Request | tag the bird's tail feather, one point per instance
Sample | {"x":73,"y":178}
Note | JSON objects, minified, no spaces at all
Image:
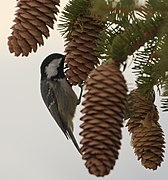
{"x":72,"y":137}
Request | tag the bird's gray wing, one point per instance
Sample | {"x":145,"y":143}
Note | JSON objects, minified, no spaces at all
{"x":48,"y":95}
{"x":50,"y":100}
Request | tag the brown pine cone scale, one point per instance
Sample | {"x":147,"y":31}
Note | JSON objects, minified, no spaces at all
{"x":32,"y":22}
{"x":147,"y":136}
{"x":81,"y":52}
{"x":103,"y":118}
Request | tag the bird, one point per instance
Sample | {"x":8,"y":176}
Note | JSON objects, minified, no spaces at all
{"x":58,"y":95}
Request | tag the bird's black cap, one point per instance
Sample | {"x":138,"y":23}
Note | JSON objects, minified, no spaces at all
{"x":49,"y":59}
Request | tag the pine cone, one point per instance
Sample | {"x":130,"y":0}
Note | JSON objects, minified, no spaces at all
{"x":81,"y":55}
{"x":147,"y":135}
{"x":32,"y":20}
{"x":104,"y":107}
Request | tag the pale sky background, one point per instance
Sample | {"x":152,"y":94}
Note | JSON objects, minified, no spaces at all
{"x":32,"y":147}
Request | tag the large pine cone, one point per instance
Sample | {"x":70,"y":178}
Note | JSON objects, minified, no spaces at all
{"x":104,"y":109}
{"x":147,"y":135}
{"x":81,"y":55}
{"x":32,"y":20}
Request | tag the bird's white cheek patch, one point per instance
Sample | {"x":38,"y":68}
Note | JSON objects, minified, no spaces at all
{"x":51,"y":69}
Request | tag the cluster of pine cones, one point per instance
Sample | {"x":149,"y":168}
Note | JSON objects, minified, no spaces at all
{"x":105,"y":99}
{"x":147,"y":135}
{"x":105,"y":105}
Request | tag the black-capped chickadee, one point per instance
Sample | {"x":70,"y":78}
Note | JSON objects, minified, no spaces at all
{"x":58,"y":94}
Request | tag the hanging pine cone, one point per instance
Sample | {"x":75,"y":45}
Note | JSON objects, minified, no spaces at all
{"x":104,"y":108}
{"x":147,"y":135}
{"x":81,"y":55}
{"x":32,"y":20}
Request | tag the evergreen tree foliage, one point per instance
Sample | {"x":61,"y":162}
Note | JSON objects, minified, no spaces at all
{"x":131,"y":27}
{"x":101,"y":36}
{"x":132,"y":32}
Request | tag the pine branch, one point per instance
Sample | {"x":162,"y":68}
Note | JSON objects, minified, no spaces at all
{"x":162,"y":66}
{"x":135,"y":36}
{"x":119,"y":42}
{"x":145,"y":61}
{"x":151,"y":69}
{"x":72,"y":10}
{"x":164,"y":106}
{"x":118,"y":12}
{"x":105,"y":41}
{"x":164,"y":99}
{"x":159,"y":6}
